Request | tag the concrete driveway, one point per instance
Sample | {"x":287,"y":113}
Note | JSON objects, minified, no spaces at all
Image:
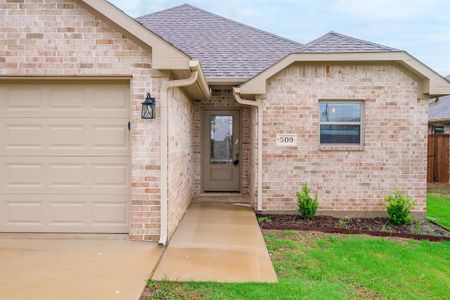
{"x":74,"y":266}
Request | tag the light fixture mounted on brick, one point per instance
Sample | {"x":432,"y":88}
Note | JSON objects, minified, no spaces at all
{"x":148,"y":107}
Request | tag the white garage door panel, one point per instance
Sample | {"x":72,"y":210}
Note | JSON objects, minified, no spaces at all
{"x":64,"y":213}
{"x":64,"y":157}
{"x":94,"y":175}
{"x":64,"y":137}
{"x":61,"y":100}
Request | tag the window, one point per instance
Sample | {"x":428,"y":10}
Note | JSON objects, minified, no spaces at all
{"x":438,"y":129}
{"x":340,"y":122}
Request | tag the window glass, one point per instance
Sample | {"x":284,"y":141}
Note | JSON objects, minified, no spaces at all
{"x":221,"y":139}
{"x":340,"y":122}
{"x":340,"y":112}
{"x":340,"y":134}
{"x":438,"y":129}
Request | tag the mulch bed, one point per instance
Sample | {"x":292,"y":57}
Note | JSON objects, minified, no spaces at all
{"x":420,"y":230}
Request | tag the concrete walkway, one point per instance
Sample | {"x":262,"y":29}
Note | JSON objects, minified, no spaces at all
{"x":40,"y":266}
{"x":217,"y":242}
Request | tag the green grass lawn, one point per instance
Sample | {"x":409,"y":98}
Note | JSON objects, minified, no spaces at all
{"x":321,"y":266}
{"x":438,"y":209}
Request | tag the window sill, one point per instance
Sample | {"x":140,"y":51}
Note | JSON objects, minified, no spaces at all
{"x":341,"y":148}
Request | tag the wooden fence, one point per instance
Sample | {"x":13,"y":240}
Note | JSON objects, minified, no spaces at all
{"x":438,"y":158}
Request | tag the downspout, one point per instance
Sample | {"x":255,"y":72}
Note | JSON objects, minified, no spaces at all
{"x":164,"y":140}
{"x":258,"y":105}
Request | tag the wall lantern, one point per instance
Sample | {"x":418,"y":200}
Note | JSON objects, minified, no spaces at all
{"x":148,"y":108}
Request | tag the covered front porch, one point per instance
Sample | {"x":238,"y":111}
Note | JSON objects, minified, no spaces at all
{"x":224,"y":145}
{"x":212,"y":152}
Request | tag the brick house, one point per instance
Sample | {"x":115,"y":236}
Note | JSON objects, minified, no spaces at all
{"x":239,"y":113}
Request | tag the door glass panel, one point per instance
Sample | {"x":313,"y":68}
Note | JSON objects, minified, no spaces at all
{"x":221,"y":139}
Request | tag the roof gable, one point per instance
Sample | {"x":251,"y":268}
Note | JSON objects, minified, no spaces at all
{"x":431,"y":83}
{"x":225,"y":47}
{"x":336,"y":42}
{"x":164,"y":55}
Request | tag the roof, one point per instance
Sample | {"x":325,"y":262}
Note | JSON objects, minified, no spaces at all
{"x":234,"y":52}
{"x":226,"y":48}
{"x":336,"y":42}
{"x":441,"y":110}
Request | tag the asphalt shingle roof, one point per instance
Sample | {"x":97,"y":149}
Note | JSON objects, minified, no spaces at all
{"x":336,"y":42}
{"x":227,"y":48}
{"x":441,"y":110}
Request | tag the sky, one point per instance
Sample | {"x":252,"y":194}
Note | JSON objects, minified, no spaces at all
{"x":421,"y":27}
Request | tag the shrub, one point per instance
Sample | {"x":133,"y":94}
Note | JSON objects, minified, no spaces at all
{"x":307,"y":206}
{"x":342,"y":223}
{"x":264,"y":219}
{"x":399,"y":207}
{"x":416,"y":227}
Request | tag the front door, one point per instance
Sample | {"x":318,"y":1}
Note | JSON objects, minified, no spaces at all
{"x":221,"y":147}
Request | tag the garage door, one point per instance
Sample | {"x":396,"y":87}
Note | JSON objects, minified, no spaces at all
{"x":64,"y":157}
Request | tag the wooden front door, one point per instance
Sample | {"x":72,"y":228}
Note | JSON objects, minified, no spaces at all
{"x":221,"y":147}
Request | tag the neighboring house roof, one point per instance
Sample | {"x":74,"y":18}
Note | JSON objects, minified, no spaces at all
{"x":336,"y":42}
{"x":441,"y":110}
{"x":226,"y":48}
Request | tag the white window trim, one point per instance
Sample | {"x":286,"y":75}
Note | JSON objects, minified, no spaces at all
{"x":360,"y":123}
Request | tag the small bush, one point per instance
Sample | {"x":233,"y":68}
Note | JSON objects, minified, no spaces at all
{"x":264,"y":219}
{"x":307,"y":206}
{"x":416,"y":227}
{"x":342,"y":223}
{"x":386,"y":227}
{"x":399,"y":207}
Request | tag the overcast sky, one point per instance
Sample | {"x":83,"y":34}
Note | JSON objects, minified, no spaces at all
{"x":421,"y":27}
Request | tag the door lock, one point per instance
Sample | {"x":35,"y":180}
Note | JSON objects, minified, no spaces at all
{"x":236,"y":160}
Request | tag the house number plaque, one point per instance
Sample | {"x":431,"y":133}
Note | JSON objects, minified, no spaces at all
{"x":286,"y":140}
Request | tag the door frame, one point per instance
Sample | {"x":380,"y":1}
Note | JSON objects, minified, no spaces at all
{"x":202,"y":143}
